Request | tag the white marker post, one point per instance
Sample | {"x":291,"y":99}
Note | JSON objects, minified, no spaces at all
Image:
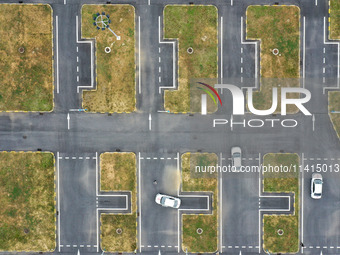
{"x":68,"y":121}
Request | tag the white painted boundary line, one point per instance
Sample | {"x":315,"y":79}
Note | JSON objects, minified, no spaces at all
{"x":277,"y":210}
{"x":140,"y":204}
{"x":205,"y":196}
{"x":334,"y":43}
{"x":301,"y":201}
{"x":178,"y":218}
{"x":92,"y":54}
{"x":304,"y":53}
{"x":173,"y":57}
{"x":221,"y":75}
{"x":97,"y":230}
{"x":57,"y":50}
{"x":256,"y":54}
{"x":58,"y":176}
{"x":139,"y":67}
{"x":221,"y":205}
{"x":259,"y":210}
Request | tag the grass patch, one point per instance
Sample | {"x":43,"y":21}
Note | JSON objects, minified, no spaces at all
{"x":196,"y":27}
{"x":116,"y":90}
{"x":27,"y":212}
{"x":334,"y":19}
{"x":334,"y":105}
{"x":26,"y":82}
{"x":282,"y":182}
{"x":278,"y":28}
{"x":118,"y":173}
{"x":207,"y":241}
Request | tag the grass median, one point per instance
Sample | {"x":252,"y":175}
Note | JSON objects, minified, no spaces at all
{"x":207,"y":241}
{"x":285,"y":182}
{"x":278,"y":29}
{"x":115,"y":70}
{"x":333,"y":108}
{"x":26,"y":82}
{"x":118,"y":173}
{"x":27,"y":212}
{"x":334,"y":19}
{"x":195,"y":27}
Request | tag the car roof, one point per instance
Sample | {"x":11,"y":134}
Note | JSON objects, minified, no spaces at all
{"x":169,"y":201}
{"x":318,"y":188}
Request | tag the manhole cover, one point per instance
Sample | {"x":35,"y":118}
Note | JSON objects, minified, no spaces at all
{"x":119,"y":231}
{"x":199,"y":231}
{"x":21,"y":50}
{"x":26,"y":230}
{"x":280,"y":232}
{"x":107,"y":49}
{"x":190,"y":50}
{"x":275,"y":51}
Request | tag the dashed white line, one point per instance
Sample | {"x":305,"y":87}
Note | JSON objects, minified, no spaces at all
{"x":159,"y":59}
{"x":77,"y":78}
{"x":77,"y":49}
{"x":159,"y":79}
{"x":241,"y":60}
{"x":77,"y":59}
{"x":77,"y":69}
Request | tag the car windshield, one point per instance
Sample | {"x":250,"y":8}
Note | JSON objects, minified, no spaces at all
{"x":237,"y":154}
{"x":318,"y":181}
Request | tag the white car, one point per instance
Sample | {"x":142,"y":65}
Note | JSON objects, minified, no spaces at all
{"x":316,"y":186}
{"x":167,"y":201}
{"x":236,"y":155}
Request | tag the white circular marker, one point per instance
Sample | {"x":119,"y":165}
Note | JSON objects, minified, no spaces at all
{"x":275,"y":51}
{"x":107,"y":49}
{"x":280,"y":232}
{"x":118,"y":38}
{"x":199,"y":231}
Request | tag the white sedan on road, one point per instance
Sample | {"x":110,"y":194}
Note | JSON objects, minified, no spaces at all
{"x":316,"y":186}
{"x":167,"y":201}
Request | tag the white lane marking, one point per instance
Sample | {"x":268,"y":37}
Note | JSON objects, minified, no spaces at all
{"x":221,"y":205}
{"x":159,"y":69}
{"x":148,"y":2}
{"x":139,"y":65}
{"x":159,"y":79}
{"x":139,"y":205}
{"x":241,"y":60}
{"x":323,"y":70}
{"x":159,"y":59}
{"x":304,"y":53}
{"x":302,"y":194}
{"x":92,"y":60}
{"x":178,"y":218}
{"x":259,"y":209}
{"x":231,"y":2}
{"x":77,"y":78}
{"x":77,"y":49}
{"x":74,"y":157}
{"x":58,"y":175}
{"x":150,"y":120}
{"x":57,"y":52}
{"x":316,"y":2}
{"x":221,"y":50}
{"x":173,"y":57}
{"x":324,"y":60}
{"x":77,"y":69}
{"x":334,"y":43}
{"x":255,"y":45}
{"x":68,"y":121}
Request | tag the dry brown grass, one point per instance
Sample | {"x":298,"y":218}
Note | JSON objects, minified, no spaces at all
{"x":27,"y":212}
{"x":207,"y":241}
{"x":278,"y":28}
{"x":196,"y":27}
{"x":116,"y":90}
{"x":282,"y":182}
{"x":334,"y":105}
{"x":118,"y":173}
{"x":26,"y":82}
{"x":334,"y":19}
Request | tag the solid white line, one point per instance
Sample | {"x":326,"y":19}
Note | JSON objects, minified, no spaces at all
{"x":97,"y":229}
{"x":221,"y":204}
{"x":304,"y":53}
{"x":58,"y":176}
{"x":316,"y":2}
{"x":178,"y":224}
{"x":92,"y":60}
{"x":302,"y":204}
{"x":139,"y":66}
{"x":334,"y":43}
{"x":96,"y":173}
{"x":255,"y":44}
{"x":231,"y":2}
{"x":259,"y":210}
{"x":140,"y":205}
{"x":64,"y":1}
{"x":57,"y":51}
{"x":221,"y":50}
{"x":148,"y":2}
{"x":173,"y":58}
